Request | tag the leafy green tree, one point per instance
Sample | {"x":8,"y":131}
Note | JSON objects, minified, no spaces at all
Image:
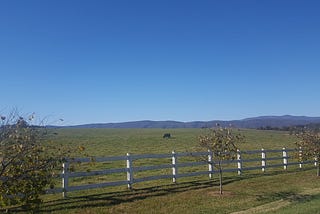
{"x":309,"y":142}
{"x":223,"y":143}
{"x":27,"y":166}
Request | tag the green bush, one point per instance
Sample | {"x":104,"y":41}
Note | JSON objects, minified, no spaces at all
{"x":26,"y":166}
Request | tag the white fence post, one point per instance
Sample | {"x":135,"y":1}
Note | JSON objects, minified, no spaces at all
{"x":239,"y":162}
{"x":174,"y":167}
{"x":210,"y":163}
{"x":263,"y":160}
{"x":300,"y":157}
{"x":65,"y":177}
{"x":129,"y":171}
{"x":285,"y":158}
{"x":316,"y":161}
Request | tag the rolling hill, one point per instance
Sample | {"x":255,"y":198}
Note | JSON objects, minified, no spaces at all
{"x":254,"y":122}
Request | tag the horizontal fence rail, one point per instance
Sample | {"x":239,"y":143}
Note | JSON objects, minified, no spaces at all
{"x":245,"y":161}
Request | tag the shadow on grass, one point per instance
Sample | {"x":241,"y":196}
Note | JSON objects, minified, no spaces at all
{"x":118,"y":197}
{"x":115,"y":198}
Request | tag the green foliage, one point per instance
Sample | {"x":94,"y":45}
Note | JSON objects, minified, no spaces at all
{"x":309,"y":142}
{"x":223,"y":142}
{"x":26,"y":166}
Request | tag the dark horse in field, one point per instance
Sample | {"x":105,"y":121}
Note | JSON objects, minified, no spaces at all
{"x":167,"y":135}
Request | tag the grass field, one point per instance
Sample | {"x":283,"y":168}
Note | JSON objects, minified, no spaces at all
{"x":111,"y":142}
{"x":189,"y":195}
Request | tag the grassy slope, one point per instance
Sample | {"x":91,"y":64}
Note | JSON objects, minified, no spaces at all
{"x":190,"y":195}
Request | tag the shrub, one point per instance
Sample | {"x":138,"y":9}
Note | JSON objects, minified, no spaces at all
{"x":26,"y":165}
{"x":309,"y":142}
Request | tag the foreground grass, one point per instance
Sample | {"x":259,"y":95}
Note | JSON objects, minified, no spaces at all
{"x":309,"y":205}
{"x":201,"y":196}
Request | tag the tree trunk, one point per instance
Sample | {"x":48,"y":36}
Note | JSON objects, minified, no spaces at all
{"x":220,"y":177}
{"x":318,"y":165}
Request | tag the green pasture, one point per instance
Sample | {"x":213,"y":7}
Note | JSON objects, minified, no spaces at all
{"x":114,"y":142}
{"x":188,"y":195}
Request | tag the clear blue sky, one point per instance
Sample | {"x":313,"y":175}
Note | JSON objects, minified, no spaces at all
{"x":122,"y":60}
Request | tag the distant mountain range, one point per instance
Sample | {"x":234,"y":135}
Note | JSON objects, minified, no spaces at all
{"x":255,"y":122}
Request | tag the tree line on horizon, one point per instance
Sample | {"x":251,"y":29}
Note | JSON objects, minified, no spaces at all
{"x":292,"y":129}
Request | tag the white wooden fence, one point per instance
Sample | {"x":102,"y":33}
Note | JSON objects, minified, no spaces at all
{"x":281,"y":157}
